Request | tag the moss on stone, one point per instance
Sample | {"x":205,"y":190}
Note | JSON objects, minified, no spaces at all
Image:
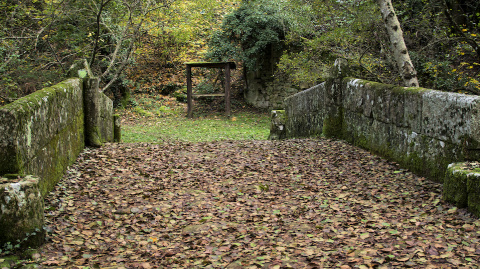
{"x":462,"y":186}
{"x":406,"y":125}
{"x":21,"y":219}
{"x":333,"y":123}
{"x":361,"y":141}
{"x":414,"y":162}
{"x":31,"y":121}
{"x":455,"y":186}
{"x":473,"y":190}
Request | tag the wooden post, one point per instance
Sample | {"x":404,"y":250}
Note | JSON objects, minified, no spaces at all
{"x":189,"y":92}
{"x":227,"y":89}
{"x":228,"y":66}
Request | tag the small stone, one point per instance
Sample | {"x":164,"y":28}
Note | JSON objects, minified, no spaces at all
{"x":135,"y":210}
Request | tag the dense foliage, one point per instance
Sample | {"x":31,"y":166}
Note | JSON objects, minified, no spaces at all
{"x":441,"y":35}
{"x":40,"y":39}
{"x":249,"y":34}
{"x":150,"y":40}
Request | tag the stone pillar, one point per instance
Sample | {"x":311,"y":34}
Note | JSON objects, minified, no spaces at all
{"x":21,"y":212}
{"x":91,"y":99}
{"x":98,"y":108}
{"x":117,"y":128}
{"x":277,"y":126}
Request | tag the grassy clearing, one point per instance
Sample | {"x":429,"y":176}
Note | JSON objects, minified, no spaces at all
{"x":156,"y":119}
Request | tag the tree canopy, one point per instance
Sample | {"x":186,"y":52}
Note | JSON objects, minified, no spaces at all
{"x":40,"y":39}
{"x":441,"y":35}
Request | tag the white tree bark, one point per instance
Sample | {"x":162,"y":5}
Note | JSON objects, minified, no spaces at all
{"x":395,"y":34}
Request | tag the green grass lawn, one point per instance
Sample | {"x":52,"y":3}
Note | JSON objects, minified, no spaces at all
{"x":155,"y":120}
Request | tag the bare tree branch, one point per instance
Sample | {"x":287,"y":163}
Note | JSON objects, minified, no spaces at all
{"x":469,"y":40}
{"x":97,"y":32}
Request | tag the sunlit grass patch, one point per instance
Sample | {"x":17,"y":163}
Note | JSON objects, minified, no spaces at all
{"x":157,"y":123}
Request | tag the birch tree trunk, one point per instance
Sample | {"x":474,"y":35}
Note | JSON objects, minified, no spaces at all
{"x":395,"y":34}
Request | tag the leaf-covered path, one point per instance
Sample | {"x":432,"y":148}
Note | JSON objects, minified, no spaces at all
{"x":251,"y":204}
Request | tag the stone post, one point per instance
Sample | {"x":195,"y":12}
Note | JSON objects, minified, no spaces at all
{"x":21,"y":212}
{"x":277,"y":126}
{"x":98,"y":108}
{"x":117,"y":128}
{"x":91,"y":100}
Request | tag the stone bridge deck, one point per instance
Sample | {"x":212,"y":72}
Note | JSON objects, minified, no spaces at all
{"x":251,"y":204}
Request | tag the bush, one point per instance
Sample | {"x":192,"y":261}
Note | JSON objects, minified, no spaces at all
{"x":181,"y":95}
{"x":248,"y":35}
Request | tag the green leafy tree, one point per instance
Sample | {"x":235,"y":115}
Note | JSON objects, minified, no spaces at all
{"x":249,"y":34}
{"x":48,"y":36}
{"x":442,"y":36}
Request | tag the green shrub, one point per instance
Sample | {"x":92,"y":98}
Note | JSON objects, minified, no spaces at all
{"x":181,"y":95}
{"x":248,"y":34}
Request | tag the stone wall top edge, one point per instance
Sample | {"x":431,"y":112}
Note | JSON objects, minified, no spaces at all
{"x":407,"y":90}
{"x":33,"y":101}
{"x":296,"y":95}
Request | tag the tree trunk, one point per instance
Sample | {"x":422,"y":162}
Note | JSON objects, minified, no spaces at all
{"x":400,"y":52}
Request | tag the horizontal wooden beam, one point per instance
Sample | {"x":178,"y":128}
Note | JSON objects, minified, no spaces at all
{"x":209,"y":95}
{"x":212,"y":64}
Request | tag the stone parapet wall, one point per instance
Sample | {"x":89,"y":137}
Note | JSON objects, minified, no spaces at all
{"x":40,"y":135}
{"x":424,"y":130}
{"x":22,"y":212}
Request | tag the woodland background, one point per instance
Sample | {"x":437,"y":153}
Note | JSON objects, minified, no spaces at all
{"x":140,"y":46}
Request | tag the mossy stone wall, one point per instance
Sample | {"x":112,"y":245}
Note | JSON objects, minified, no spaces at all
{"x":422,"y":129}
{"x":98,"y":114}
{"x":42,"y":133}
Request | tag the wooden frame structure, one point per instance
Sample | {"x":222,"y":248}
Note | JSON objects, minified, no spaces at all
{"x":222,"y":65}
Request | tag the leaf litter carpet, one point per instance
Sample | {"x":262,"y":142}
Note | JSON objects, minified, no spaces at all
{"x":251,"y":204}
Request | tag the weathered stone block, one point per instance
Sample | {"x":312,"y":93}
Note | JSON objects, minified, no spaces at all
{"x":106,"y":120}
{"x":354,"y":96}
{"x":42,"y":133}
{"x":318,"y":97}
{"x":438,"y":155}
{"x":397,"y":107}
{"x":21,"y":212}
{"x":462,"y":186}
{"x":448,"y":116}
{"x":356,"y":129}
{"x":117,"y":128}
{"x":333,"y":121}
{"x":455,"y":185}
{"x":277,"y":125}
{"x":408,"y":149}
{"x":333,"y":93}
{"x":382,"y":101}
{"x":468,"y":126}
{"x":473,"y":190}
{"x":413,"y":100}
{"x":305,"y":112}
